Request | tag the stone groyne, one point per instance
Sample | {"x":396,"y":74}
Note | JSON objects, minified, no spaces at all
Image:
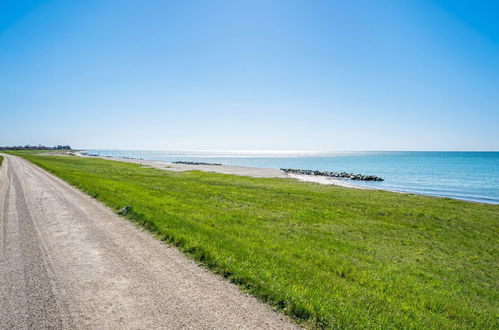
{"x":345,"y":175}
{"x":195,"y":163}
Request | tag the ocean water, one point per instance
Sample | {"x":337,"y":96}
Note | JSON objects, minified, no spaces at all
{"x":472,"y":176}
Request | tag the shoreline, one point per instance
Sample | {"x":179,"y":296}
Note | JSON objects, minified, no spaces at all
{"x":255,"y":172}
{"x":259,"y":172}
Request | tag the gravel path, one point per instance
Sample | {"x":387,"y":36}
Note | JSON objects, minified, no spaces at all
{"x":67,"y":261}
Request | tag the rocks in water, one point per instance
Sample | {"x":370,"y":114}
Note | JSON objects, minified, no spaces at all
{"x":84,"y":153}
{"x":195,"y":163}
{"x":345,"y":175}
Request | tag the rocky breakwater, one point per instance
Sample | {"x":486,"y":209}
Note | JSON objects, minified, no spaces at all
{"x":344,"y":175}
{"x":195,"y":163}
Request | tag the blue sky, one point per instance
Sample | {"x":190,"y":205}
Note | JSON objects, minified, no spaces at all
{"x":256,"y":74}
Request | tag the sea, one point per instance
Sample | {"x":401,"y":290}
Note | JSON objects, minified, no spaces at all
{"x":472,"y":176}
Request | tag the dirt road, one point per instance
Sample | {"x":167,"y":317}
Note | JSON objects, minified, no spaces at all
{"x":66,"y":261}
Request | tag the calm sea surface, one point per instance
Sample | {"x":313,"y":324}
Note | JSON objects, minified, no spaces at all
{"x":463,"y":175}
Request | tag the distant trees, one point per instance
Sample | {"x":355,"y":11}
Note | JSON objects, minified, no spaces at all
{"x":38,"y":147}
{"x":59,"y":147}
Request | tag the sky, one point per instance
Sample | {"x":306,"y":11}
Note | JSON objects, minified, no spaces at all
{"x":256,"y":74}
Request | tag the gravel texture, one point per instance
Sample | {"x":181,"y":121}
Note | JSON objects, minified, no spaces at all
{"x":67,"y":261}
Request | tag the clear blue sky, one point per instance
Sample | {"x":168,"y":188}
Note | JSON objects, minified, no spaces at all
{"x":256,"y":74}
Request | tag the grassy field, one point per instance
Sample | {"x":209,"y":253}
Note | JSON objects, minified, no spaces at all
{"x":328,"y":256}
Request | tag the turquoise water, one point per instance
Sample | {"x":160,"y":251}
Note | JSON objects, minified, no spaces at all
{"x":470,"y":176}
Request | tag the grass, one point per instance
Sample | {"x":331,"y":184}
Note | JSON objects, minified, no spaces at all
{"x":1,"y":160}
{"x":330,"y":257}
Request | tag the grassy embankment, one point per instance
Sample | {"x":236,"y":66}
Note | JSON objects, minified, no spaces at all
{"x":328,"y":256}
{"x":1,"y":160}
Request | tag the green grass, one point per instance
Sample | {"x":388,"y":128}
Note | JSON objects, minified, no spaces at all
{"x":327,"y":256}
{"x":1,"y":160}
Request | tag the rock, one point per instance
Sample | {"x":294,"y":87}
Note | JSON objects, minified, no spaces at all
{"x":345,"y":175}
{"x":124,"y":211}
{"x":195,"y":163}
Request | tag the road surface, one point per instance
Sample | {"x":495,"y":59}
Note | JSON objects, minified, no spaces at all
{"x":67,"y":261}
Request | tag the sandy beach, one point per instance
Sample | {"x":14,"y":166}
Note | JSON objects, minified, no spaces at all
{"x":255,"y":172}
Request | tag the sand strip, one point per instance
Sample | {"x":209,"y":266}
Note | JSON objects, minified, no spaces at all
{"x":255,"y":172}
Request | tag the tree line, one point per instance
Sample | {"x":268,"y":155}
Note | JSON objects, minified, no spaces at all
{"x":38,"y":147}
